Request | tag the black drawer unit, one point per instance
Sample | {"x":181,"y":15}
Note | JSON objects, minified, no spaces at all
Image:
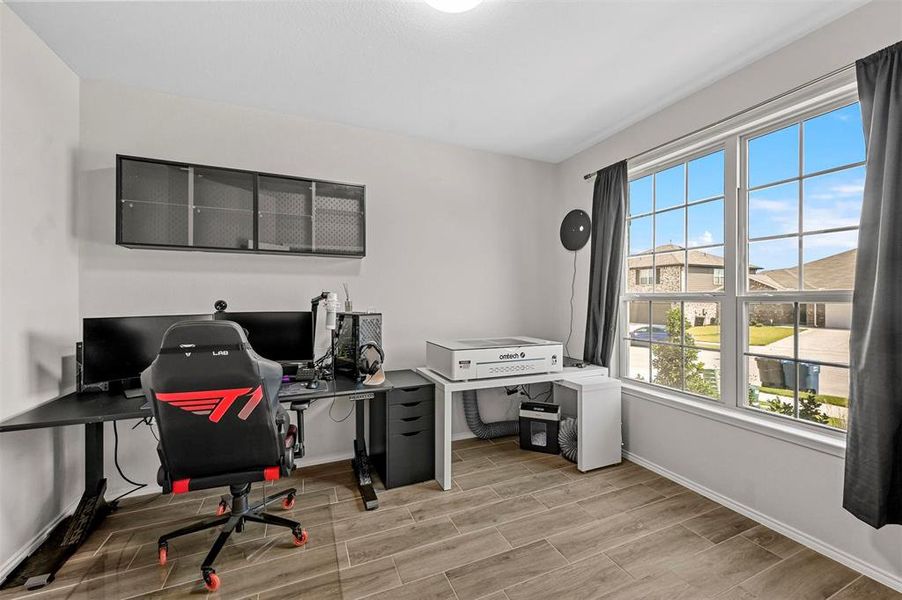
{"x":399,"y":412}
{"x":402,"y":431}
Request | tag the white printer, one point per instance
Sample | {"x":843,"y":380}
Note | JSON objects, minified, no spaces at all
{"x":493,"y":357}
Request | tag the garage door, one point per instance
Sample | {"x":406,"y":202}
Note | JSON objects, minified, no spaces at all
{"x":838,"y":316}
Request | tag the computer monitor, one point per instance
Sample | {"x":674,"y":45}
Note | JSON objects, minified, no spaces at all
{"x":118,"y":348}
{"x":280,"y":336}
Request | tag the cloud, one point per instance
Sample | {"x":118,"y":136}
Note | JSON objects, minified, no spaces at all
{"x":845,"y":190}
{"x":773,"y":205}
{"x":830,"y":218}
{"x":821,"y":246}
{"x":705,"y":239}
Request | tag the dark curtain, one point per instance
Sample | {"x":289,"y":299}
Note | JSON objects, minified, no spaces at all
{"x":608,"y":222}
{"x":873,"y":477}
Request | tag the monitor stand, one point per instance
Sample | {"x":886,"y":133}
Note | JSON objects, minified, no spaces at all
{"x":133,"y":393}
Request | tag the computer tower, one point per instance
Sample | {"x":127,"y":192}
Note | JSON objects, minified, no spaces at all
{"x":353,"y":330}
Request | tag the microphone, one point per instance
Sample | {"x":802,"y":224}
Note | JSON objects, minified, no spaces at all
{"x":331,"y":302}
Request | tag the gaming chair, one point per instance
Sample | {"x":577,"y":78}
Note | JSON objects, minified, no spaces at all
{"x":216,"y":406}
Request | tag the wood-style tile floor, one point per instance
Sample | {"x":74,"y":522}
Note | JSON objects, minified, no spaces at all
{"x":517,"y":525}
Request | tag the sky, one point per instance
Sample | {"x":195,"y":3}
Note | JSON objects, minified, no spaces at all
{"x":690,"y":213}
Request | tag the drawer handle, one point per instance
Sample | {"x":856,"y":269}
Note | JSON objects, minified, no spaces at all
{"x":409,"y":390}
{"x":412,"y":434}
{"x":410,"y":404}
{"x":409,"y":419}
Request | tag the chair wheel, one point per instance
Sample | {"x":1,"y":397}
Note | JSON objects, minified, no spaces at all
{"x":162,"y":553}
{"x":222,"y":508}
{"x":211,"y":581}
{"x":300,"y":539}
{"x":288,"y":502}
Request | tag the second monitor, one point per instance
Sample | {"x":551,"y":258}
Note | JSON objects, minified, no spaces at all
{"x":285,"y":337}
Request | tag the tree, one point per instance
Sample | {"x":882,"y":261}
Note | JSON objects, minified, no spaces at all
{"x":674,"y":364}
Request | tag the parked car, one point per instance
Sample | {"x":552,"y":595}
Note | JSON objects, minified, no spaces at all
{"x":655,"y":333}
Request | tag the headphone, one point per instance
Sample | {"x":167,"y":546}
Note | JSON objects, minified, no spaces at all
{"x":364,"y":364}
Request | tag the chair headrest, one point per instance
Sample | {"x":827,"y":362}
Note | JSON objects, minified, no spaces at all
{"x":206,"y":335}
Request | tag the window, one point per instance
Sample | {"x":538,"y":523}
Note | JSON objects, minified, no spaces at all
{"x":803,"y":192}
{"x":754,"y":238}
{"x":675,"y":226}
{"x":718,"y":275}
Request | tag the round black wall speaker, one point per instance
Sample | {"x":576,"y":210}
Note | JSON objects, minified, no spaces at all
{"x":575,"y":229}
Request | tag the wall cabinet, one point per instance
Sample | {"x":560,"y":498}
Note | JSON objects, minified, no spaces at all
{"x":180,"y":206}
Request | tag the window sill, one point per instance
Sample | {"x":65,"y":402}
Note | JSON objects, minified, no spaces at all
{"x":826,"y":442}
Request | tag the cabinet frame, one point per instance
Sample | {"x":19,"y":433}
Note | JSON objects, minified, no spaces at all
{"x":256,"y":210}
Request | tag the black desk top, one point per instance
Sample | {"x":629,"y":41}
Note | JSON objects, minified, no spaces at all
{"x":97,"y":407}
{"x":78,"y":409}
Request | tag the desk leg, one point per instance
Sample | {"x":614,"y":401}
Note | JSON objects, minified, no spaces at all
{"x":40,"y":567}
{"x":93,"y":507}
{"x":361,"y":460}
{"x":443,"y":436}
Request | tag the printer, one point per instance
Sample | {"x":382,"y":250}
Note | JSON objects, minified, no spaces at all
{"x":482,"y":358}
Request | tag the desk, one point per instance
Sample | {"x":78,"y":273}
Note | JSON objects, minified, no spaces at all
{"x":92,"y":409}
{"x":359,"y":394}
{"x":444,"y":388}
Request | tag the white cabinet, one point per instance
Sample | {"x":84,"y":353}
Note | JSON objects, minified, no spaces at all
{"x":594,"y":400}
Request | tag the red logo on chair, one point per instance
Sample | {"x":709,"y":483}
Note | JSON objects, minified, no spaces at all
{"x":214,"y":403}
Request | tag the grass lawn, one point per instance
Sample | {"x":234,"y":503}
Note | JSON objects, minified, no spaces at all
{"x":758,"y":336}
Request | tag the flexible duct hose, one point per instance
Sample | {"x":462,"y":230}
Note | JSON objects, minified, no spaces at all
{"x":567,"y":439}
{"x":485,"y":430}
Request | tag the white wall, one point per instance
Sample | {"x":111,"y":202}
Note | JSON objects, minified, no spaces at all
{"x":41,"y":470}
{"x":792,"y":484}
{"x":449,"y":233}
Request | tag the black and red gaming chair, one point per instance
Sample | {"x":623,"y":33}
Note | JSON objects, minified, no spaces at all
{"x":216,"y":405}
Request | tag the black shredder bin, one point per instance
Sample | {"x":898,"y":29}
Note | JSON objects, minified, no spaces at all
{"x":539,"y":423}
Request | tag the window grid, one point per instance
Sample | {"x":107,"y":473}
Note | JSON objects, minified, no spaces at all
{"x":799,"y":296}
{"x":799,"y":179}
{"x":654,"y":346}
{"x":685,"y":205}
{"x":734,"y":295}
{"x":648,"y":338}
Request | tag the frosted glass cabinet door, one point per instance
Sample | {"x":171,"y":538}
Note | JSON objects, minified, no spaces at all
{"x":339,"y":224}
{"x":223,"y":213}
{"x":153,"y":204}
{"x":285,"y":213}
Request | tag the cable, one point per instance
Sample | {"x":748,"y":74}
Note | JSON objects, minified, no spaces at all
{"x":149,"y":422}
{"x":344,"y":418}
{"x":540,"y":397}
{"x":137,"y":485}
{"x":572,"y":294}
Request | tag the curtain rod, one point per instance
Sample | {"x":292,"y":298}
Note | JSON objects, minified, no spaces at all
{"x":588,"y":176}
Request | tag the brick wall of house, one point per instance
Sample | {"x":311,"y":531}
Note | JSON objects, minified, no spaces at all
{"x":669,"y":279}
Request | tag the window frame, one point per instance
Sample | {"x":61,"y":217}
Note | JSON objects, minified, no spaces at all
{"x":683,"y":297}
{"x":820,"y":97}
{"x":746,"y":297}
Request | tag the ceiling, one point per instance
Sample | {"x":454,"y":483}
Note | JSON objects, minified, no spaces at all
{"x":537,"y":79}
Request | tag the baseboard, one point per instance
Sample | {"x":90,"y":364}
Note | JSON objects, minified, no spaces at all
{"x":323,"y":459}
{"x":10,"y":563}
{"x":801,"y":537}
